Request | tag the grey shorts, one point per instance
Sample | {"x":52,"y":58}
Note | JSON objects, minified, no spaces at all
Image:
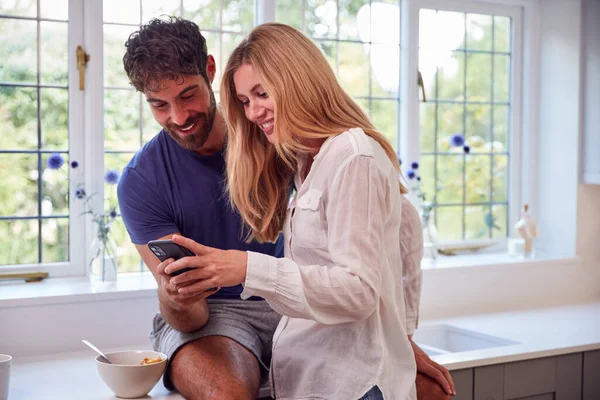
{"x":248,"y":322}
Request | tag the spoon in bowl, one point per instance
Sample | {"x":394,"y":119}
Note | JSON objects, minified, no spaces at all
{"x":96,"y":350}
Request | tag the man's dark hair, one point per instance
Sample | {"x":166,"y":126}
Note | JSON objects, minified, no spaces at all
{"x":165,"y":48}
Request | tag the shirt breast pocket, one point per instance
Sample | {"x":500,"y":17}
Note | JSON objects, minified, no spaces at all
{"x":309,"y":221}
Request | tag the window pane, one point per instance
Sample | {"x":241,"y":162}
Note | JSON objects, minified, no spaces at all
{"x":427,"y":174}
{"x":20,"y":240}
{"x":478,"y":124}
{"x":55,"y":240}
{"x":349,"y":25}
{"x":238,"y":15}
{"x":384,"y":115}
{"x":364,"y":104}
{"x":329,"y":48}
{"x":123,"y":12}
{"x":449,"y":122}
{"x":441,"y":31}
{"x":289,"y":12}
{"x":205,"y":13}
{"x":128,"y":257}
{"x":501,"y":34}
{"x":500,"y":180}
{"x":500,"y":219}
{"x":450,"y":76}
{"x":114,"y":161}
{"x":384,"y":24}
{"x":478,"y":178}
{"x":353,"y":72}
{"x":54,"y":9}
{"x":150,"y":126}
{"x":479,"y":77}
{"x":159,"y":9}
{"x":54,"y":117}
{"x":501,"y":118}
{"x":18,"y":118}
{"x":385,"y":70}
{"x":476,"y":222}
{"x":23,"y":8}
{"x":18,"y":50}
{"x":450,"y":179}
{"x":121,"y":119}
{"x":18,"y":174}
{"x":427,"y":116}
{"x":428,"y":69}
{"x":449,"y":223}
{"x":54,"y":63}
{"x":55,"y":188}
{"x":321,"y":18}
{"x":501,"y":78}
{"x":115,"y":37}
{"x":479,"y":32}
{"x":213,"y":47}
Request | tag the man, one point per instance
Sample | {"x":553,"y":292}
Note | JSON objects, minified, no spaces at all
{"x":218,"y":345}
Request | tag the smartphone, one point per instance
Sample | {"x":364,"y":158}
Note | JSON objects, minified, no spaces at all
{"x":164,"y":249}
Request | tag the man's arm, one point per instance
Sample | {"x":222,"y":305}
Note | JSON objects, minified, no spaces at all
{"x":184,"y":314}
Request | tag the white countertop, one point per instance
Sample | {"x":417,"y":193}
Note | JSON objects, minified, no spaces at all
{"x":539,"y":332}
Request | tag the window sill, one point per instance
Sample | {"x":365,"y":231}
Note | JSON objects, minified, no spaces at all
{"x":490,"y":260}
{"x":75,"y":290}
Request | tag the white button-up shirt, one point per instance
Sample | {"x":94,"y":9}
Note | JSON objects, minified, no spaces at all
{"x":339,"y":287}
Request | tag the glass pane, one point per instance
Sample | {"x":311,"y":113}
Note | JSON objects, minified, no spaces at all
{"x":384,"y":24}
{"x":289,"y":12}
{"x":449,"y":223}
{"x":54,"y":117}
{"x":115,"y":37}
{"x":19,"y":191}
{"x":150,"y":126}
{"x":230,"y":42}
{"x":114,"y":161}
{"x":128,"y":257}
{"x":349,"y":21}
{"x":479,"y":32}
{"x":121,"y":120}
{"x":55,"y":240}
{"x":476,"y":222}
{"x":427,"y":174}
{"x":501,"y":118}
{"x":54,"y":63}
{"x":478,"y":178}
{"x":353,"y":72}
{"x":364,"y":104}
{"x":55,"y":188}
{"x":449,"y":122}
{"x":479,"y":77}
{"x":205,"y":13}
{"x":450,"y":179}
{"x":385,"y":70}
{"x":54,"y":9}
{"x":329,"y":48}
{"x":428,"y":69}
{"x":441,"y":31}
{"x":321,"y":18}
{"x":18,"y":118}
{"x":451,"y":77}
{"x":238,"y":15}
{"x":501,"y":77}
{"x":478,"y":125}
{"x":214,"y":48}
{"x":500,"y":179}
{"x":159,"y":9}
{"x":384,"y":115}
{"x":22,"y":8}
{"x":501,"y":34}
{"x":427,"y":116}
{"x":20,"y":241}
{"x":500,"y":219}
{"x":18,"y":50}
{"x":122,"y":12}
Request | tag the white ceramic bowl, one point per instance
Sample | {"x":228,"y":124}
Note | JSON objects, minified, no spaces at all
{"x":126,"y":377}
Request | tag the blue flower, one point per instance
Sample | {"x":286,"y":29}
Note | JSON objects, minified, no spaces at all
{"x":55,"y":161}
{"x":411,"y":174}
{"x":111,"y":177}
{"x":74,"y":164}
{"x":457,"y":140}
{"x":113,"y":213}
{"x":414,"y":165}
{"x":80,"y":193}
{"x":467,"y":149}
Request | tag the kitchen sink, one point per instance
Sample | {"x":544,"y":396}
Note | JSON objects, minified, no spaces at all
{"x":443,"y":339}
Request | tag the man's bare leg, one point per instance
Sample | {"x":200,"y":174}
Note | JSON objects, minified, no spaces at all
{"x":214,"y":368}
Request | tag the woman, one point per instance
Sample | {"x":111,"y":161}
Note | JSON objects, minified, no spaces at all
{"x":339,"y":288}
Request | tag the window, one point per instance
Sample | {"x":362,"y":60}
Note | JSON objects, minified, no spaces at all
{"x":468,"y":52}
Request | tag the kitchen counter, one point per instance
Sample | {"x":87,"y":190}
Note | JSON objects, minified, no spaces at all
{"x":539,"y":333}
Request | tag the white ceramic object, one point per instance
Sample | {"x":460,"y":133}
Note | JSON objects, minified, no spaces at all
{"x":4,"y":375}
{"x":126,"y":377}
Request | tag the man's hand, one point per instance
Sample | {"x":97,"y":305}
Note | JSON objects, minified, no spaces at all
{"x":211,"y":268}
{"x":170,"y":292}
{"x":431,"y":376}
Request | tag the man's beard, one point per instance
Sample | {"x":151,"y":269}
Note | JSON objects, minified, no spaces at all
{"x":204,"y":121}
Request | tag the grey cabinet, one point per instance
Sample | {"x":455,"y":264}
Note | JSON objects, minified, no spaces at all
{"x":590,"y":106}
{"x":550,"y":378}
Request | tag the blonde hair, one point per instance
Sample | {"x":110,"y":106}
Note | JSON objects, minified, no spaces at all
{"x":309,"y":103}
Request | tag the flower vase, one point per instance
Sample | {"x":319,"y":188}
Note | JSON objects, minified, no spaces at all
{"x":103,"y":258}
{"x":430,"y":242}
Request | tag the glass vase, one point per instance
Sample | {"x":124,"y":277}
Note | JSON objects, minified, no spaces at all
{"x":103,"y":258}
{"x":430,"y":242}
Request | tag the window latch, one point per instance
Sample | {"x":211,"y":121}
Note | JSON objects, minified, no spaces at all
{"x":422,"y":85}
{"x":82,"y":59}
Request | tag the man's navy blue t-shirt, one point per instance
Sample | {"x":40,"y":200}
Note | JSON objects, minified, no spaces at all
{"x":166,"y":189}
